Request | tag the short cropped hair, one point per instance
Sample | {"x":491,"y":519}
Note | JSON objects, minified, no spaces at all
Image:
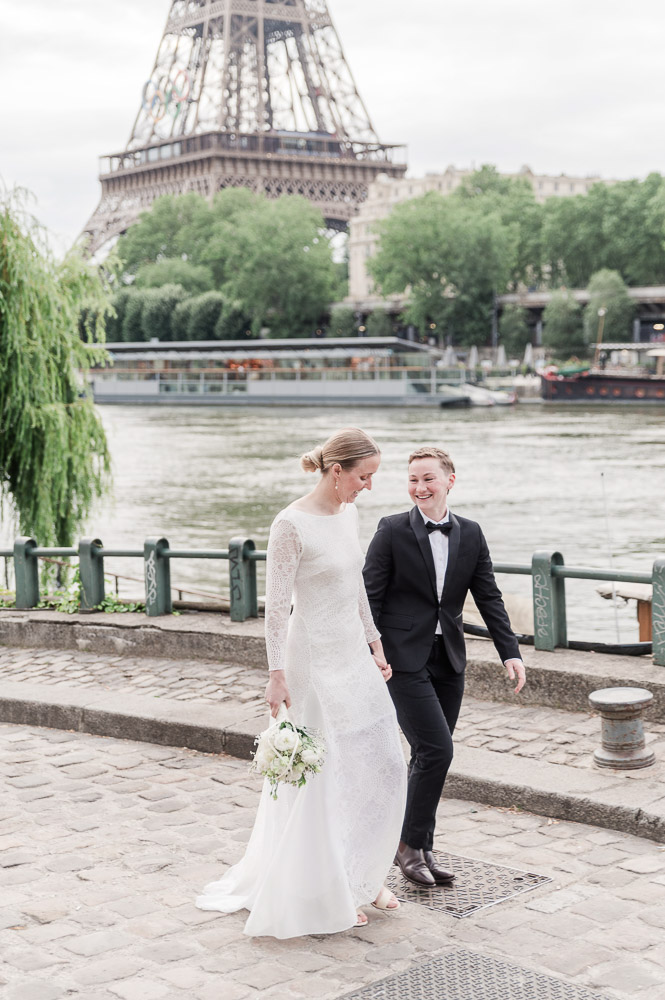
{"x":430,"y":451}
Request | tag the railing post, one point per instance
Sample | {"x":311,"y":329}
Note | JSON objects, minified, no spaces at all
{"x":658,"y":612}
{"x":26,"y":572}
{"x":549,"y":601}
{"x":91,"y":571}
{"x":242,"y":580}
{"x":157,"y":577}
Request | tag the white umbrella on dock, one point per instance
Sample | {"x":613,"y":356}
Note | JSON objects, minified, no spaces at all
{"x":528,"y":356}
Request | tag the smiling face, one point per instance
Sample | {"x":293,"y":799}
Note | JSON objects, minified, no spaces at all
{"x":351,"y":482}
{"x":429,"y":485}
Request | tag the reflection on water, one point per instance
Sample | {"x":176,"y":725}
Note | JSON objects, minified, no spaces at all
{"x":531,"y":475}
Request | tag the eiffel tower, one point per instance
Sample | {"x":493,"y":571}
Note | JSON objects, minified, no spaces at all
{"x":245,"y":93}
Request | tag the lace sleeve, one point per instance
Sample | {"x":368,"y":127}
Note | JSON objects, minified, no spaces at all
{"x":284,"y":551}
{"x":371,"y":632}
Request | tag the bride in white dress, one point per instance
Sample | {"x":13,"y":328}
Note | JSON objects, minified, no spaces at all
{"x":320,"y":852}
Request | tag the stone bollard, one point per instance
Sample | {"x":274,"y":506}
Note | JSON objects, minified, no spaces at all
{"x":622,"y":732}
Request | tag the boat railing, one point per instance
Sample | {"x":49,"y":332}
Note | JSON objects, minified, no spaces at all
{"x":405,"y":380}
{"x":547,"y":570}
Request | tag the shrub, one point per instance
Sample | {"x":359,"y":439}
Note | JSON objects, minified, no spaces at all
{"x":204,"y":313}
{"x":158,"y":311}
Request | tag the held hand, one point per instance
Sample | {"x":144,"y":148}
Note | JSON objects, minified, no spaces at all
{"x":385,"y":668}
{"x":277,"y":692}
{"x":516,"y":670}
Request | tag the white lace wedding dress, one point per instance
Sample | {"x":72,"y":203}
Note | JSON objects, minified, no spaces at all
{"x":318,"y":852}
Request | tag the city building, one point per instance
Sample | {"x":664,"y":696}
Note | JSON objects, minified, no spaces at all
{"x":386,"y":192}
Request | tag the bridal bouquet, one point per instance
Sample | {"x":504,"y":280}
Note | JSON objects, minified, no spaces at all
{"x":286,"y":753}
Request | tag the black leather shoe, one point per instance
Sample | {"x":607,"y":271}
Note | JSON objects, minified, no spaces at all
{"x":440,"y":875}
{"x":413,"y":867}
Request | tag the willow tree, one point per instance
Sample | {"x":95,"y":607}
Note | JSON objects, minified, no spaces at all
{"x":54,"y":460}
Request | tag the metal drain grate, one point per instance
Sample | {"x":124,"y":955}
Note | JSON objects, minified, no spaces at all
{"x":465,"y":975}
{"x":477,"y":885}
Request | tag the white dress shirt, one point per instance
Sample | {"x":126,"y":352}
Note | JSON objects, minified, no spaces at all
{"x":439,"y":544}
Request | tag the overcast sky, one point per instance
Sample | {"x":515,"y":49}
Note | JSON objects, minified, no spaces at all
{"x":574,"y":86}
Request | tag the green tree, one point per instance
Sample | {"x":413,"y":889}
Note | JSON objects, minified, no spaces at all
{"x":634,"y":230}
{"x":115,"y":319}
{"x":379,"y":324}
{"x":563,"y":331}
{"x":233,"y":323}
{"x":343,"y":322}
{"x":132,"y":322}
{"x":618,"y":227}
{"x":278,"y":266}
{"x":514,"y":202}
{"x":607,"y":291}
{"x":193,"y":278}
{"x":230,"y":210}
{"x":159,"y":306}
{"x":204,"y":312}
{"x":454,"y":255}
{"x":180,"y":320}
{"x":54,"y":460}
{"x":514,"y":331}
{"x":173,"y":227}
{"x":572,"y":236}
{"x":270,"y":258}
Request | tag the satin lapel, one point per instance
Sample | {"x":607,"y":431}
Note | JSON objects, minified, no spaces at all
{"x":420,"y":531}
{"x":453,"y":549}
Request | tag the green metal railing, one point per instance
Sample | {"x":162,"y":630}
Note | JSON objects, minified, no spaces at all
{"x":547,"y":571}
{"x":156,"y":554}
{"x":548,"y":575}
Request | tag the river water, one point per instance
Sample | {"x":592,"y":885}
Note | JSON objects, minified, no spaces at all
{"x":533,"y":476}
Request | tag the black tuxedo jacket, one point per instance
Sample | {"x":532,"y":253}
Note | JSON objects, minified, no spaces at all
{"x":401,"y":587}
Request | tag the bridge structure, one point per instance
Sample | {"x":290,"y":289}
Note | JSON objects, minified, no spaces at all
{"x":246,"y":93}
{"x":648,"y":325}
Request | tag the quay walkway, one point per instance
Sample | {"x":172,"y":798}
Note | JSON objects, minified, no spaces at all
{"x":125,"y":789}
{"x":534,"y":751}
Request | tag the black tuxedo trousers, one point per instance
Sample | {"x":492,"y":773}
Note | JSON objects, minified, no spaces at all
{"x":428,"y":671}
{"x":427,"y":702}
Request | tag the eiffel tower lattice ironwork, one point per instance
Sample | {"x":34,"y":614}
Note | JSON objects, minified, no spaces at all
{"x":245,"y":93}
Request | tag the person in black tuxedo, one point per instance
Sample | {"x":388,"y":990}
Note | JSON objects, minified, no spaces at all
{"x":419,"y":568}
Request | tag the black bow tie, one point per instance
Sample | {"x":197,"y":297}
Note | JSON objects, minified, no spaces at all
{"x":444,"y":528}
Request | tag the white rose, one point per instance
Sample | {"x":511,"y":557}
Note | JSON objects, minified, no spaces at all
{"x":264,"y":757}
{"x":286,"y":739}
{"x":310,"y":756}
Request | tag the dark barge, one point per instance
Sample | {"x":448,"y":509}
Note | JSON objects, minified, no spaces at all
{"x":597,"y":386}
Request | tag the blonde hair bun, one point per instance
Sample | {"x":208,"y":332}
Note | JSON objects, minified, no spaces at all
{"x":312,"y":460}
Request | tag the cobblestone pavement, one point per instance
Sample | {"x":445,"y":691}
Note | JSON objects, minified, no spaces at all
{"x":548,"y":734}
{"x":104,"y":844}
{"x":180,"y":680}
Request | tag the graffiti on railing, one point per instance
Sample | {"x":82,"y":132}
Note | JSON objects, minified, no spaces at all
{"x":542,"y":601}
{"x":235,"y":573}
{"x":151,"y":578}
{"x":658,"y":623}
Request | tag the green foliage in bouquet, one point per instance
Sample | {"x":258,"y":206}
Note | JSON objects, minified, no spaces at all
{"x":288,"y":754}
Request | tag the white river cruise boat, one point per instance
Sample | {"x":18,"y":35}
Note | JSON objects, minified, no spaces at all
{"x":369,"y":371}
